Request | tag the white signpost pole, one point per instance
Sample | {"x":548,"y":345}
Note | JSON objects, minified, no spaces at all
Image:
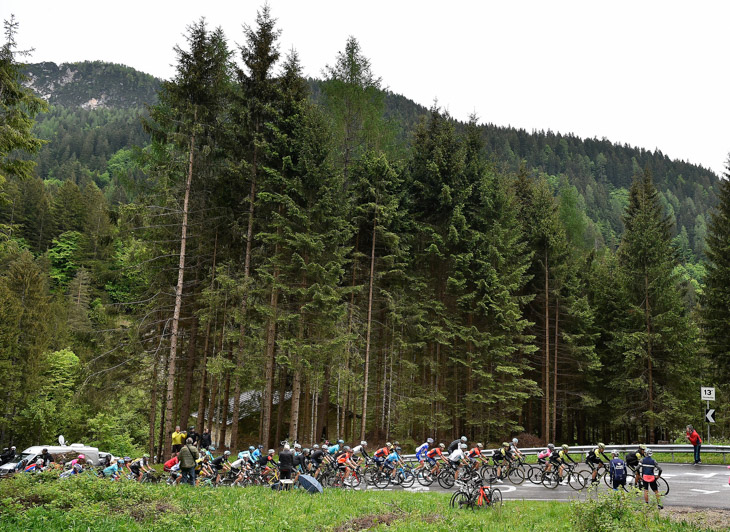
{"x":708,"y":394}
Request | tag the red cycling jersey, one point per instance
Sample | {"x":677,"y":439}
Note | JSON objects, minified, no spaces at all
{"x":381,"y":453}
{"x":433,"y":453}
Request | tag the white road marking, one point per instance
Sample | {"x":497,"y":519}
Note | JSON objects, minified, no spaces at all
{"x":705,"y":492}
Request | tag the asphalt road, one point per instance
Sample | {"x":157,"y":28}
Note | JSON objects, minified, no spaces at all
{"x":702,"y":486}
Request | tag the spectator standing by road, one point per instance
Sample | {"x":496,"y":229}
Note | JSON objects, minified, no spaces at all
{"x":187,"y":456}
{"x":205,"y":439}
{"x":694,"y":438}
{"x":194,"y":435}
{"x":177,"y":440}
{"x":286,"y":462}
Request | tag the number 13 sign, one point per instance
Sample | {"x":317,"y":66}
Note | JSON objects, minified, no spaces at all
{"x":708,"y":394}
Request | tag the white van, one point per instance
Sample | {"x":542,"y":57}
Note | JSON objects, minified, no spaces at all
{"x":61,"y":454}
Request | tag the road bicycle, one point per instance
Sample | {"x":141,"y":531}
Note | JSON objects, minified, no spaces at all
{"x":477,"y":494}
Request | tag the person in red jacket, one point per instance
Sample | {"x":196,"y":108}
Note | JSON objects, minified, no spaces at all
{"x":696,"y":442}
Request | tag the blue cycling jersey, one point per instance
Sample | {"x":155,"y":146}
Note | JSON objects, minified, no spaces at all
{"x":392,"y":457}
{"x":421,"y":451}
{"x":334,"y":449}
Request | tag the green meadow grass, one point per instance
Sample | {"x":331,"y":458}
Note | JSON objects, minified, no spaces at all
{"x":42,"y":502}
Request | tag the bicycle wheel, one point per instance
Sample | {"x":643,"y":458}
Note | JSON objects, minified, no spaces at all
{"x":577,"y":481}
{"x":607,"y":479}
{"x":495,"y":496}
{"x":369,"y":474}
{"x":406,"y":478}
{"x":446,"y":479}
{"x":516,"y":476}
{"x":488,"y":473}
{"x":459,"y":500}
{"x":550,"y":480}
{"x":663,"y":486}
{"x":425,"y":477}
{"x":354,"y":480}
{"x":381,"y":480}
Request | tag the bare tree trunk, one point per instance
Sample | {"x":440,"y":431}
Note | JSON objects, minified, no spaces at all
{"x":546,"y":395}
{"x":211,"y":407}
{"x":280,"y":406}
{"x":296,"y":391}
{"x":153,"y":405}
{"x":324,"y":406}
{"x":178,"y":304}
{"x":204,"y":377}
{"x":244,"y":302}
{"x":369,"y":327}
{"x":647,"y":315}
{"x":189,"y":369}
{"x":265,"y":436}
{"x":555,"y":370}
{"x":224,"y":414}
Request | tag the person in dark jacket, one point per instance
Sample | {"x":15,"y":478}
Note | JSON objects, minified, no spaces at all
{"x":205,"y":439}
{"x":187,"y":456}
{"x":286,"y":462}
{"x":193,"y":435}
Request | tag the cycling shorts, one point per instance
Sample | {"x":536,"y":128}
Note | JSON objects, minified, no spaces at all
{"x":431,"y":461}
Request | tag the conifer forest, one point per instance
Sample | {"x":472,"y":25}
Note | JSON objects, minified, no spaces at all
{"x":269,"y":256}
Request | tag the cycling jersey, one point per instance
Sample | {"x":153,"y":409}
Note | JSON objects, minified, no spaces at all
{"x":239,"y":464}
{"x":544,"y":454}
{"x":632,"y":459}
{"x":219,"y":462}
{"x":111,"y":470}
{"x":359,"y":450}
{"x":171,"y":463}
{"x":435,"y":452}
{"x":498,"y":455}
{"x":618,"y":470}
{"x":594,"y":456}
{"x":421,"y":451}
{"x":454,"y":445}
{"x":564,"y":457}
{"x":381,"y":453}
{"x":649,"y":469}
{"x":344,"y":457}
{"x":456,"y":456}
{"x":256,"y":455}
{"x":392,"y":459}
{"x":334,"y":449}
{"x":474,"y":453}
{"x":317,"y":457}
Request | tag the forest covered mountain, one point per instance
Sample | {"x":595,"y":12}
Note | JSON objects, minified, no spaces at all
{"x":241,"y":231}
{"x":96,"y":108}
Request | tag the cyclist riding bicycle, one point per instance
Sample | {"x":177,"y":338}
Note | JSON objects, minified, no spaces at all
{"x":545,"y":454}
{"x":316,"y":458}
{"x":457,"y":458}
{"x":499,"y":456}
{"x":392,"y":460}
{"x":345,"y":463}
{"x":140,"y":466}
{"x":114,"y":469}
{"x":381,"y":454}
{"x":474,"y":454}
{"x":360,"y":450}
{"x":422,"y":450}
{"x":454,"y":445}
{"x":514,"y":450}
{"x":593,"y":459}
{"x":564,"y":457}
{"x":632,"y":461}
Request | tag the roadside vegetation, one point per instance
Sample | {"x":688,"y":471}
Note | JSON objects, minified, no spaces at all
{"x":43,"y":502}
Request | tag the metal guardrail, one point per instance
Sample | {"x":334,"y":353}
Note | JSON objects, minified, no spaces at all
{"x":583,"y":449}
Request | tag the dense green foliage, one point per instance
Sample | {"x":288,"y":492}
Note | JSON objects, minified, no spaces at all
{"x":47,"y":503}
{"x":353,"y":265}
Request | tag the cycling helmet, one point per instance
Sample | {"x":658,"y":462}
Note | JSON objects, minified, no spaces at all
{"x":297,"y":446}
{"x":442,"y":445}
{"x":305,"y":451}
{"x":127,"y":459}
{"x":341,"y":442}
{"x":145,"y":455}
{"x":566,"y":447}
{"x":463,"y":439}
{"x":346,"y":448}
{"x":83,"y":457}
{"x":120,"y":461}
{"x":429,"y":441}
{"x":515,"y":440}
{"x":211,"y":448}
{"x":396,"y":443}
{"x":642,"y":447}
{"x":315,"y":446}
{"x":364,"y":443}
{"x":227,"y":453}
{"x":388,"y":444}
{"x":44,"y":450}
{"x":241,"y":456}
{"x":398,"y":449}
{"x":271,"y":451}
{"x":505,"y":444}
{"x":78,"y":468}
{"x":551,"y":446}
{"x":649,"y":452}
{"x":480,"y":445}
{"x":601,"y":446}
{"x":251,"y":448}
{"x":462,"y":446}
{"x":614,"y":452}
{"x":261,"y":446}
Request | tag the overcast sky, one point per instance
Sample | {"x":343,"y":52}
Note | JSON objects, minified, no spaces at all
{"x":646,"y":73}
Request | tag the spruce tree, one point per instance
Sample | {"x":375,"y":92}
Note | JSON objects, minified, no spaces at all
{"x":658,"y":341}
{"x":716,"y":300}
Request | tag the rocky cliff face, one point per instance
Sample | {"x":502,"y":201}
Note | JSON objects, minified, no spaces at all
{"x":92,"y":85}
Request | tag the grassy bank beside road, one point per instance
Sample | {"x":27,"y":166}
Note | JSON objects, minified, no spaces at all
{"x":46,"y":503}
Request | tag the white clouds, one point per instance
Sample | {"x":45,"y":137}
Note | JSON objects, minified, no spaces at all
{"x":646,"y":73}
